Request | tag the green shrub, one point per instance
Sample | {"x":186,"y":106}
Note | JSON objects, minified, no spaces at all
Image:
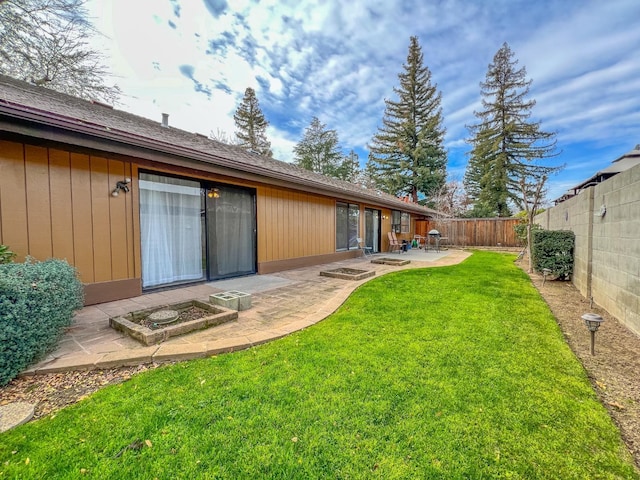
{"x":521,"y":231}
{"x":553,"y":249}
{"x":37,"y":301}
{"x":6,"y":255}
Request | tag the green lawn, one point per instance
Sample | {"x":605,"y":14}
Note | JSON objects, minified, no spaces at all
{"x":454,"y":372}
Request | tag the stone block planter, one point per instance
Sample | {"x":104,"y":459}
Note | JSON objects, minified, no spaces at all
{"x":391,"y":261}
{"x":148,"y":328}
{"x":348,"y":273}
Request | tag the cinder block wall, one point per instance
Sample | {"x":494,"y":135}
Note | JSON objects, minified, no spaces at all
{"x":607,"y":255}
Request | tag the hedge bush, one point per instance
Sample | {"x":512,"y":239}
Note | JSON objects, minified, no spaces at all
{"x":37,"y":301}
{"x":6,"y":255}
{"x":553,"y":249}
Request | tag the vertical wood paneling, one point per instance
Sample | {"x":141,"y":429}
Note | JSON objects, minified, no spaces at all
{"x":117,"y":222}
{"x":135,"y":209}
{"x":82,"y":222}
{"x":13,"y":202}
{"x":61,"y":207}
{"x":294,"y":224}
{"x":299,"y":226}
{"x":261,"y":224}
{"x":271,"y":224}
{"x":100,"y":221}
{"x":130,"y":202}
{"x":281,"y":225}
{"x":38,"y":202}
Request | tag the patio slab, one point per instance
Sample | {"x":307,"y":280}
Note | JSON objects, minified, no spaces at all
{"x":282,"y":303}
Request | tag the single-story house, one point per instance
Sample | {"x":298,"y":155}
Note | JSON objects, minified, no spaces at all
{"x":136,"y":204}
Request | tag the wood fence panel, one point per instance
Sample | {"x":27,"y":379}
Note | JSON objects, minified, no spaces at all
{"x":473,"y":232}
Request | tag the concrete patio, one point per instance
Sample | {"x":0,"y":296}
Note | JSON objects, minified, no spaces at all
{"x":282,"y":303}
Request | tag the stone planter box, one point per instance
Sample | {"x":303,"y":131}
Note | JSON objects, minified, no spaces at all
{"x":391,"y":261}
{"x":348,"y":273}
{"x":129,"y":324}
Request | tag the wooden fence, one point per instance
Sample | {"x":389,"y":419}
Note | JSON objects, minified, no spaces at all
{"x":473,"y":232}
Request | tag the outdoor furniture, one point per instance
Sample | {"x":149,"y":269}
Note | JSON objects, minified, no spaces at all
{"x":421,"y":241}
{"x":365,"y":250}
{"x":393,"y":243}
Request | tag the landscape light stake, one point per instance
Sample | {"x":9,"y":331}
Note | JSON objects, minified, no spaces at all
{"x":592,"y":321}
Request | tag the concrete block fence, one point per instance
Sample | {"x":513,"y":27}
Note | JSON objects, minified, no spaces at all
{"x":606,"y":221}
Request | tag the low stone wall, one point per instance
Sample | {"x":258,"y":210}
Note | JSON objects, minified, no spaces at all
{"x":606,"y":221}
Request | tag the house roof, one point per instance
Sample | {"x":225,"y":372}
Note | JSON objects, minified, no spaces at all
{"x":27,"y":109}
{"x":620,"y":164}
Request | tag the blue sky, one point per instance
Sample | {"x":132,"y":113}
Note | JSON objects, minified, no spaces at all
{"x":339,"y":60}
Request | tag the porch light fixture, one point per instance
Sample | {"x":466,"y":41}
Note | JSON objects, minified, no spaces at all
{"x":592,"y":321}
{"x":213,"y":193}
{"x":121,"y":185}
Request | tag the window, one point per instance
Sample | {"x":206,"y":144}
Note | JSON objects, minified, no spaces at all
{"x":405,"y":223}
{"x":347,"y":226}
{"x":395,"y":221}
{"x":400,"y":222}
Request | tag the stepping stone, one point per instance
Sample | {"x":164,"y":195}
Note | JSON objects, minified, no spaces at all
{"x":14,"y":414}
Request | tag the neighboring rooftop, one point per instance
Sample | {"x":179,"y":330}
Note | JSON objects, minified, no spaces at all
{"x":625,"y":162}
{"x":25,"y":109}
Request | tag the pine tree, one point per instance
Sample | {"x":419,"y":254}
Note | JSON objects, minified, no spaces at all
{"x":506,"y":144}
{"x":46,"y":42}
{"x":318,"y":150}
{"x":349,"y":167}
{"x":408,"y":149}
{"x":251,"y":125}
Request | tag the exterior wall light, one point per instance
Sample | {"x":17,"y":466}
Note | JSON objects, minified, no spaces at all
{"x":592,"y":321}
{"x":121,"y":185}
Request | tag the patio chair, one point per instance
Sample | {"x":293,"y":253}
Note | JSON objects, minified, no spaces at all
{"x":393,"y":243}
{"x":365,"y":250}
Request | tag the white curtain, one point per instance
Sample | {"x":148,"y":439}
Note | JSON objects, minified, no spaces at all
{"x":170,"y":230}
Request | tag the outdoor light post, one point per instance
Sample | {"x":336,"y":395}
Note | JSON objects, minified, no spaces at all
{"x":592,"y":321}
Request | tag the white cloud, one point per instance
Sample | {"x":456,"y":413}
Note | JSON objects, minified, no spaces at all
{"x":339,"y":60}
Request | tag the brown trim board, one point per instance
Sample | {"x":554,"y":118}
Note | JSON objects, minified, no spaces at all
{"x":300,"y":262}
{"x":102,"y":292}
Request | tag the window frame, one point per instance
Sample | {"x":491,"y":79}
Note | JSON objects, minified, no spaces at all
{"x":352,"y":220}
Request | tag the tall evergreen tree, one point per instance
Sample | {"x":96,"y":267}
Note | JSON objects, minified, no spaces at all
{"x":408,"y":149}
{"x":506,"y":144}
{"x":318,"y":150}
{"x":46,"y":42}
{"x":251,"y":125}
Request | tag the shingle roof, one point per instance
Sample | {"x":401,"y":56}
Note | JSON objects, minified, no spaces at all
{"x":48,"y":108}
{"x":620,"y":164}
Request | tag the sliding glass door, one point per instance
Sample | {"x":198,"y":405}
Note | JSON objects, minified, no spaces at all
{"x":231,"y":231}
{"x":170,"y":230}
{"x":372,"y":229}
{"x":192,"y":230}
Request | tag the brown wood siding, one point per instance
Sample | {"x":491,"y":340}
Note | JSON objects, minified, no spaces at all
{"x":293,"y":224}
{"x":473,"y":232}
{"x":58,"y":204}
{"x":61,"y":214}
{"x":13,"y":199}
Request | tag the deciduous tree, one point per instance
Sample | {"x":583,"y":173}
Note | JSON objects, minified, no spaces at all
{"x":46,"y":42}
{"x":318,"y":151}
{"x":408,"y":148}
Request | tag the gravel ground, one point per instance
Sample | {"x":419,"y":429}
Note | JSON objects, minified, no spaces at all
{"x":613,"y":371}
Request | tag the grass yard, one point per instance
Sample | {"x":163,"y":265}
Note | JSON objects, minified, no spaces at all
{"x":454,"y":372}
